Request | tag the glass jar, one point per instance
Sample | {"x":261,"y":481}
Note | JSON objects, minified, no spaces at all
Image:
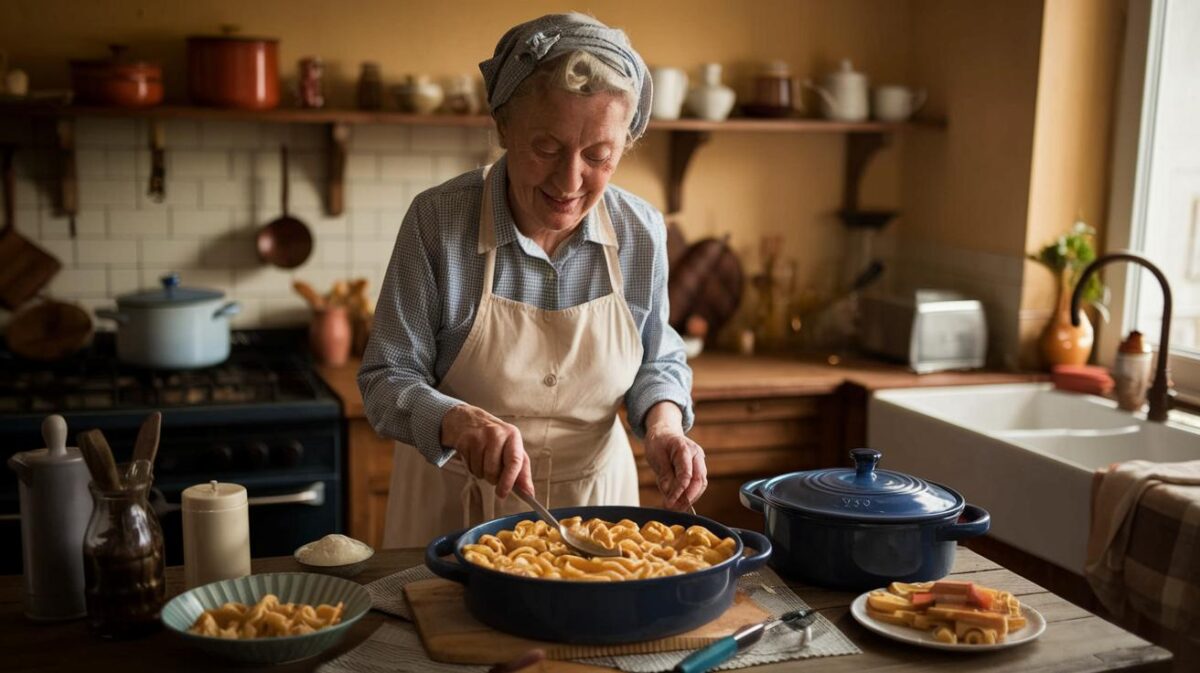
{"x":123,"y":562}
{"x":370,"y":87}
{"x":312,"y":94}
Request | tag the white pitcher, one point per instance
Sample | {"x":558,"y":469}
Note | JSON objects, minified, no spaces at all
{"x":670,"y":87}
{"x":845,"y":94}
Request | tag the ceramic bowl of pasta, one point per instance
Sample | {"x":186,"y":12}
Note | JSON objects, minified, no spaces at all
{"x":677,"y":571}
{"x":267,"y":619}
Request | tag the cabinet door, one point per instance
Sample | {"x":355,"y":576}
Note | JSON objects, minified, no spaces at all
{"x":370,"y":467}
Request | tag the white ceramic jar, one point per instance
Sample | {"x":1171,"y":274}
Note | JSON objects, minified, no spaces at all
{"x":216,"y":533}
{"x":711,"y":100}
{"x":172,"y":328}
{"x":670,"y":88}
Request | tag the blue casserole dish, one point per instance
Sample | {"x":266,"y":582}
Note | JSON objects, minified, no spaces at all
{"x":861,"y":528}
{"x":597,"y":613}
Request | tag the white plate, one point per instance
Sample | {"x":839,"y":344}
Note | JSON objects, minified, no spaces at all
{"x":1035,"y":624}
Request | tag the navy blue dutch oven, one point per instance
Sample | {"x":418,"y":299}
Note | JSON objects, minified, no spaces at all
{"x":597,"y":613}
{"x":862,"y":528}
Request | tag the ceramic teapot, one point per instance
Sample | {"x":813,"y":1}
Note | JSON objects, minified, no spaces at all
{"x":845,"y":94}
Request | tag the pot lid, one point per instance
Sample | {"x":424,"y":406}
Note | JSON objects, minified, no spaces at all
{"x":170,"y":295}
{"x":862,"y":493}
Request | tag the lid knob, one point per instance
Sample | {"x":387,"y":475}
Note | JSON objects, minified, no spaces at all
{"x":54,"y":431}
{"x":169,"y":283}
{"x":864,"y":464}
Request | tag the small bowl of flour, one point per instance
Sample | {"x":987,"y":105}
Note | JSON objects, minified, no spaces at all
{"x":335,"y":555}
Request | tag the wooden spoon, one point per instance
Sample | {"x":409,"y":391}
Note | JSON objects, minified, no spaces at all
{"x":315,"y":301}
{"x":99,"y":459}
{"x":146,"y":447}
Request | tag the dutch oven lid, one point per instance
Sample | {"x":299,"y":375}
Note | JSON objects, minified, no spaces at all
{"x":862,"y":493}
{"x":170,"y":295}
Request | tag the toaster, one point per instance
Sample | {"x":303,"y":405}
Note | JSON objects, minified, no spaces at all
{"x":928,"y":330}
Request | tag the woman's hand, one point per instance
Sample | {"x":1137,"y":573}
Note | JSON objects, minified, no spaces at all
{"x":677,"y":461}
{"x":492,"y":449}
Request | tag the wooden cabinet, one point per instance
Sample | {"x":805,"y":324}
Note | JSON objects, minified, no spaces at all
{"x":743,"y":439}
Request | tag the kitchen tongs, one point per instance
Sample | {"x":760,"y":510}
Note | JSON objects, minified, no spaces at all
{"x":713,"y":655}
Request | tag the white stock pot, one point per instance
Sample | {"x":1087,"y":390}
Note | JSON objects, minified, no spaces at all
{"x":172,"y":328}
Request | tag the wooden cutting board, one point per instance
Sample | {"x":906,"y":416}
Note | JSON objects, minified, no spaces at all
{"x":450,"y":634}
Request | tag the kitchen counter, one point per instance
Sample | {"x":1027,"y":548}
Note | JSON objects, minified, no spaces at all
{"x":1075,"y":640}
{"x":719,"y":376}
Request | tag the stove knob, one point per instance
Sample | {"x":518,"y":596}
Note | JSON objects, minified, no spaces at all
{"x":254,"y":456}
{"x":288,"y":454}
{"x":218,"y":457}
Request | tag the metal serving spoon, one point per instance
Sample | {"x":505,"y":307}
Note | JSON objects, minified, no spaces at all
{"x":581,"y":544}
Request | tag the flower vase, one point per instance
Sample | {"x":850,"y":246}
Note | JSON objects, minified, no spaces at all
{"x":1061,"y":342}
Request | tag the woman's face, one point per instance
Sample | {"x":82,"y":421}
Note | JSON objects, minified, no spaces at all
{"x":562,"y":150}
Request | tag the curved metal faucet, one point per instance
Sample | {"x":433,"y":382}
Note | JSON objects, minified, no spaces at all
{"x":1160,"y":390}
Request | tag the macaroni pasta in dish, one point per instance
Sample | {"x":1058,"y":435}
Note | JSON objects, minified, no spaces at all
{"x":267,"y":618}
{"x":654,"y":549}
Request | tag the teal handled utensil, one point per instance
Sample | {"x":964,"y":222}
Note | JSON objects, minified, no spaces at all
{"x":713,"y":655}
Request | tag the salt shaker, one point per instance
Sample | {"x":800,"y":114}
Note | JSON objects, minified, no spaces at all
{"x":1131,"y":372}
{"x":55,"y":508}
{"x":216,"y":533}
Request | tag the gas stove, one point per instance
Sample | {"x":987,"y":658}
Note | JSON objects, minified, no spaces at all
{"x":263,"y":419}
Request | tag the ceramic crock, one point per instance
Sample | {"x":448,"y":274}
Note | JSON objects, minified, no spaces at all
{"x":597,"y":613}
{"x":172,"y":328}
{"x":233,"y":71}
{"x":861,"y":528}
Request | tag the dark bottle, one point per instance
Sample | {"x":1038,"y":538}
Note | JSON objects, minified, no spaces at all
{"x":123,"y":564}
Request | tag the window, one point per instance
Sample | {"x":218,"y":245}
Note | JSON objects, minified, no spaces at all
{"x":1155,"y":208}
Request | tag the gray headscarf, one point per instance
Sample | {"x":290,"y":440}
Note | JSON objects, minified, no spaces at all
{"x":525,"y":45}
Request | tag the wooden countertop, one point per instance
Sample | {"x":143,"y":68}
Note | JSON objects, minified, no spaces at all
{"x":1075,"y":640}
{"x":727,"y":376}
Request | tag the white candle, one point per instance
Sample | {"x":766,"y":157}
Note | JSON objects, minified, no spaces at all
{"x":216,"y":533}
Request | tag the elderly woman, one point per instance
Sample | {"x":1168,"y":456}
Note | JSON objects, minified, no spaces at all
{"x":525,"y":301}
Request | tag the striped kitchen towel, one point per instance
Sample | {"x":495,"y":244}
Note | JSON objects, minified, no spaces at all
{"x":1144,"y":543}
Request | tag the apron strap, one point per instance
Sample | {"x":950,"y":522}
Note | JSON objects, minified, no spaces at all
{"x":611,"y":258}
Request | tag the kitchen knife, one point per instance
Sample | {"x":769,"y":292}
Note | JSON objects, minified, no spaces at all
{"x":713,"y":655}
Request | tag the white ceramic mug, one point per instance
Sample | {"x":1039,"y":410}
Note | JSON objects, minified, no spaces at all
{"x":896,"y":103}
{"x":670,"y":88}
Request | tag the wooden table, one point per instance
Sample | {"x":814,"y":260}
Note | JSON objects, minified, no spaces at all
{"x":1075,"y":639}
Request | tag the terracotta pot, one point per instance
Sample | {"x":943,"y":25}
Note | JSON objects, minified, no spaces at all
{"x":329,"y":335}
{"x":233,"y":71}
{"x":1061,"y":342}
{"x":117,"y":81}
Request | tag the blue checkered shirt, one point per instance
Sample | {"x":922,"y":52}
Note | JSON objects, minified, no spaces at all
{"x":431,"y":293}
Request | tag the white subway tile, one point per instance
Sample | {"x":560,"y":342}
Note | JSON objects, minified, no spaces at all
{"x":372,"y":196}
{"x":208,"y":279}
{"x":216,"y":193}
{"x":362,"y":224}
{"x":89,"y":225}
{"x":198,"y":164}
{"x":405,"y":167}
{"x":333,"y":253}
{"x":76,"y":283}
{"x":121,"y":281}
{"x":292,"y":313}
{"x":375,"y":137}
{"x":90,"y":163}
{"x":141,"y":224}
{"x":235,"y":251}
{"x":202,"y":224}
{"x":304,"y":136}
{"x":123,"y":163}
{"x":389,"y":224}
{"x":100,"y":253}
{"x":302,"y":194}
{"x":362,"y":166}
{"x":94,"y":192}
{"x":439,"y":139}
{"x":180,"y":253}
{"x":30,"y":193}
{"x":452,"y":166}
{"x":321,"y":278}
{"x":180,"y":193}
{"x":229,"y":134}
{"x":365,"y":254}
{"x":106,"y":132}
{"x":263,"y":282}
{"x":249,"y":315}
{"x":182,"y":134}
{"x":62,"y":248}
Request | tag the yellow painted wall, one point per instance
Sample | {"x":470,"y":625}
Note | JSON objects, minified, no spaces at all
{"x":1081,"y":47}
{"x":746,"y":184}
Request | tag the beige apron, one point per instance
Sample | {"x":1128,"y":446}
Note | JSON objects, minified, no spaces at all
{"x":559,"y":376}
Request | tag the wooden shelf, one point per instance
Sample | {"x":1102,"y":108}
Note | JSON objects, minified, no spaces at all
{"x":863,"y":139}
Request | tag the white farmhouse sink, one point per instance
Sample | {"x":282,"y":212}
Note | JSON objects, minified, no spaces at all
{"x":1024,"y":452}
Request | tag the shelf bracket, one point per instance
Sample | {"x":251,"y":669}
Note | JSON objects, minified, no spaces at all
{"x":335,"y":179}
{"x":68,"y":183}
{"x":683,"y":145}
{"x":860,"y":150}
